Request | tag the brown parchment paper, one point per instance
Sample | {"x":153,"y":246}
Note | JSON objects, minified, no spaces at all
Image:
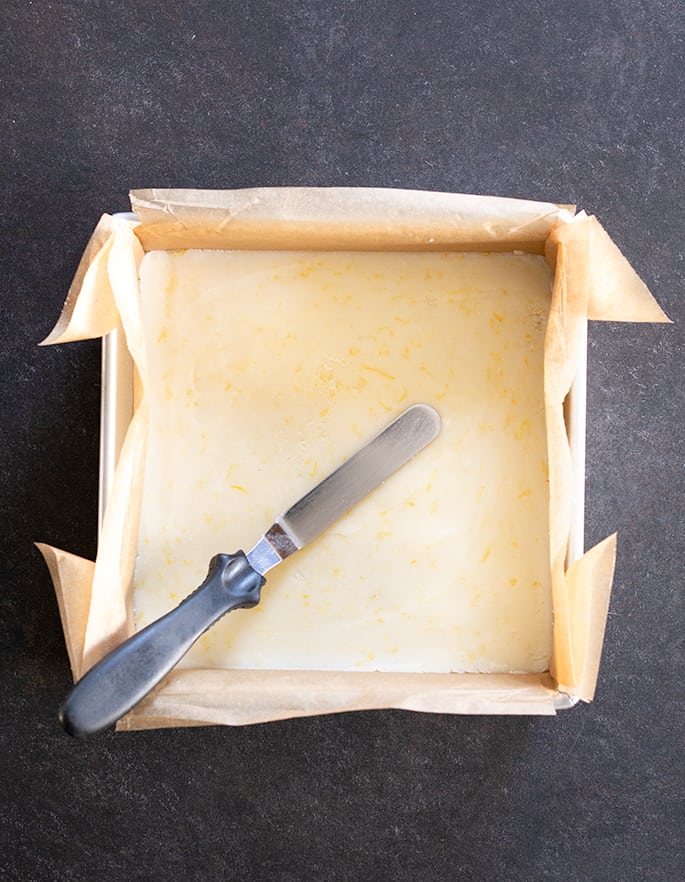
{"x":591,"y":279}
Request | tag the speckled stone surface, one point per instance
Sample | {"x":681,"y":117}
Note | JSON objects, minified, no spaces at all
{"x":576,"y":102}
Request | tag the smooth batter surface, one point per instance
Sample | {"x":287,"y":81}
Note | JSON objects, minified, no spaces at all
{"x":268,"y":369}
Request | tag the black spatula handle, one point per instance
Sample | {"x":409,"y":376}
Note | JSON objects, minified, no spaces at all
{"x":124,"y":677}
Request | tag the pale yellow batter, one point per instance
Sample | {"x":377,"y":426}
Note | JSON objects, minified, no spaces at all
{"x":268,"y":369}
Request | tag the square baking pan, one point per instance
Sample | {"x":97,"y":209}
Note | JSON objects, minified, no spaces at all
{"x":117,"y":406}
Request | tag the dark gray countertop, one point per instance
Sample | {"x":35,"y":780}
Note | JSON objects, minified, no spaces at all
{"x":575,"y":102}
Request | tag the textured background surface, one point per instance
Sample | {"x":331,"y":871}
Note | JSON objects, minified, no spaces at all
{"x":547,"y":100}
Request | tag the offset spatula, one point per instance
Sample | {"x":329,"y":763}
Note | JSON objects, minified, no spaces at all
{"x":234,"y":581}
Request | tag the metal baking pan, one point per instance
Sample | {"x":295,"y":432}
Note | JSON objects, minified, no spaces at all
{"x":116,"y":411}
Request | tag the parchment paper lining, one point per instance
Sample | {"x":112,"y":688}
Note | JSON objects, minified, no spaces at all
{"x":592,"y":280}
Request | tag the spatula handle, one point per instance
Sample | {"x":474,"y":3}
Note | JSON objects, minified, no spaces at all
{"x":124,"y":677}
